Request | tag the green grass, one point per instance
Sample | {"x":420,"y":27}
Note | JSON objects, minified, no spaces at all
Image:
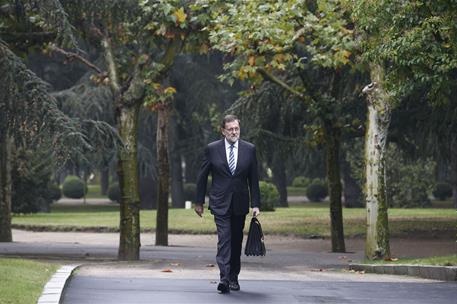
{"x":299,"y":221}
{"x":296,"y":191}
{"x":450,"y":260}
{"x":94,"y":191}
{"x":22,"y":281}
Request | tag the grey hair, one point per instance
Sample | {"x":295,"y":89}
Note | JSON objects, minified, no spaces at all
{"x":229,"y":118}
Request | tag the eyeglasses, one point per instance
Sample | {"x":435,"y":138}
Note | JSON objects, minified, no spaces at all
{"x":232,"y":130}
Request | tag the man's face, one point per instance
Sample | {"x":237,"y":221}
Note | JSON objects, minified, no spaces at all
{"x":231,"y":131}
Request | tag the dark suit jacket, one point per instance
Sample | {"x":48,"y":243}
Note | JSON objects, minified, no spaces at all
{"x":225,"y":187}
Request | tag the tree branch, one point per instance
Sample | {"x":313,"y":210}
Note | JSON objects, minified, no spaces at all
{"x":270,"y":77}
{"x":112,"y":70}
{"x":72,"y":56}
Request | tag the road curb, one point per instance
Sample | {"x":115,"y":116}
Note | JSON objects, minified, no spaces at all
{"x":53,"y":290}
{"x":441,"y":273}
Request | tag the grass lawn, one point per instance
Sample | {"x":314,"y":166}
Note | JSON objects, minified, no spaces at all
{"x":304,"y":221}
{"x":22,"y":281}
{"x":93,"y":191}
{"x":450,"y":260}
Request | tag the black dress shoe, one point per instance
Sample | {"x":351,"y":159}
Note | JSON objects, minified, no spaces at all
{"x":223,"y":287}
{"x":234,"y":285}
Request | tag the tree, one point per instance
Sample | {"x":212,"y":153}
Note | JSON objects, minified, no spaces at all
{"x":29,"y":114}
{"x":271,"y":39}
{"x":409,"y":45}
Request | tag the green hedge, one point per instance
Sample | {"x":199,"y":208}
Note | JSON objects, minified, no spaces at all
{"x":269,"y":196}
{"x":73,"y":187}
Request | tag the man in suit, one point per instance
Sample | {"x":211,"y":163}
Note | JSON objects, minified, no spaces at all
{"x":233,"y":165}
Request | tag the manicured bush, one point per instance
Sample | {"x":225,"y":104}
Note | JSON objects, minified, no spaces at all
{"x":190,"y":191}
{"x":301,"y":181}
{"x":114,"y":193}
{"x":54,"y":192}
{"x":442,"y":191}
{"x":317,"y":191}
{"x":73,"y":187}
{"x":269,"y":196}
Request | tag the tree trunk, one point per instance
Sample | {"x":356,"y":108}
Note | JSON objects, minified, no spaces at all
{"x":164,"y":176}
{"x":279,"y":178}
{"x":379,"y":113}
{"x":104,"y":179}
{"x":177,"y":190}
{"x":332,"y":144}
{"x":129,"y":245}
{"x":351,"y":191}
{"x":5,"y":187}
{"x":454,"y":172}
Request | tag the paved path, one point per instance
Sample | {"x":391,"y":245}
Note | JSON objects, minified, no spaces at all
{"x":147,"y":283}
{"x":294,"y":271}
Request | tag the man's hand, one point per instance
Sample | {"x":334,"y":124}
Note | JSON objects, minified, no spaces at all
{"x":255,"y":211}
{"x":199,"y":209}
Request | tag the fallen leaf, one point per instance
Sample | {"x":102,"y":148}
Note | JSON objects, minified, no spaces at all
{"x":209,"y":265}
{"x":167,"y":270}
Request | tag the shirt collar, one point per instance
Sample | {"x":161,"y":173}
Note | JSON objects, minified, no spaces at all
{"x":227,"y":144}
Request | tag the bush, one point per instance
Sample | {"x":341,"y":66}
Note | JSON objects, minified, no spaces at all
{"x":190,"y":191}
{"x":317,"y":191}
{"x":73,"y":187}
{"x":114,"y":193}
{"x":301,"y":181}
{"x":408,"y":182}
{"x":442,"y":191}
{"x":54,"y":192}
{"x":269,"y":196}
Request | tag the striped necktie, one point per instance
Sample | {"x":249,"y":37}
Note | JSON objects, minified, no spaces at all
{"x":232,"y":159}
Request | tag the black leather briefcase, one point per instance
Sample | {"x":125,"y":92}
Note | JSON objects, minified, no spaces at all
{"x":255,"y":245}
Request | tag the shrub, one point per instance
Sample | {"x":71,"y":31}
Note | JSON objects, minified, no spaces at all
{"x":269,"y":196}
{"x":317,"y":191}
{"x":301,"y":181}
{"x":54,"y":192}
{"x":73,"y":187}
{"x":190,"y":191}
{"x":114,"y":193}
{"x":408,"y":182}
{"x":442,"y":191}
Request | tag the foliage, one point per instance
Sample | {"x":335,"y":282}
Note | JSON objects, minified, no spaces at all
{"x":409,"y":182}
{"x":317,"y":190}
{"x":269,"y":196}
{"x":301,"y":181}
{"x":263,"y":34}
{"x":415,"y":40}
{"x":73,"y":187}
{"x":442,"y":191}
{"x":114,"y":193}
{"x":31,"y":178}
{"x":22,"y":281}
{"x":190,"y":191}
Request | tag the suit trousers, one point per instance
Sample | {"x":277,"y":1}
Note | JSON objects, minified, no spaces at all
{"x":230,"y":238}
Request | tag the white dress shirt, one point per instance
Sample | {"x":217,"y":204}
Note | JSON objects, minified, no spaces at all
{"x":235,"y":151}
